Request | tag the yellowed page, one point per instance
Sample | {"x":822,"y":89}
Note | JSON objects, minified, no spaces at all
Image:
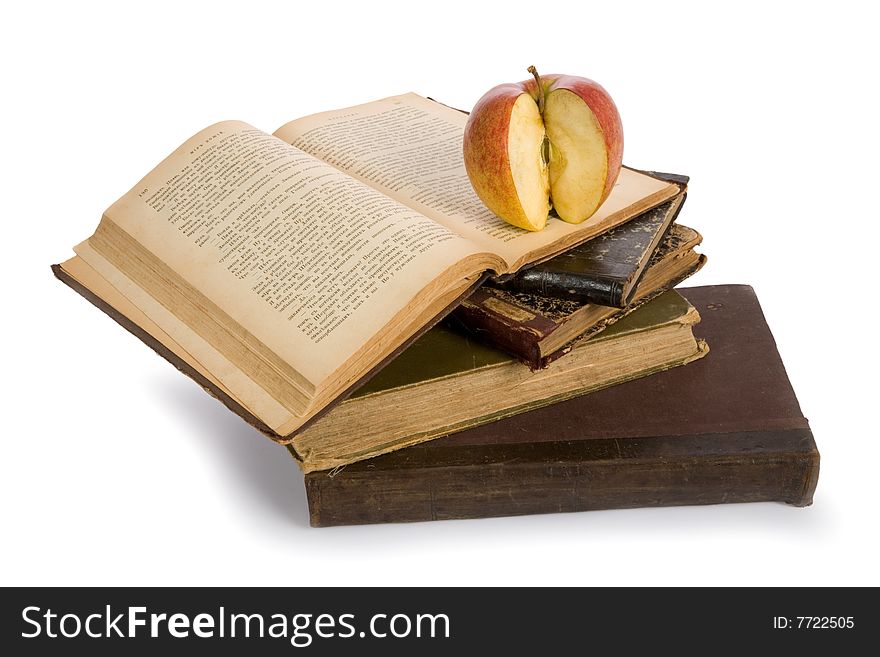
{"x":308,"y":260}
{"x":410,"y":148}
{"x":114,"y":287}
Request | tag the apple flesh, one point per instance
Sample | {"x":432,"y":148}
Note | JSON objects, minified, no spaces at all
{"x":552,"y":141}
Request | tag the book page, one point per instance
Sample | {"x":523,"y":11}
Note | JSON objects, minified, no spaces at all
{"x":306,"y":260}
{"x":410,"y":148}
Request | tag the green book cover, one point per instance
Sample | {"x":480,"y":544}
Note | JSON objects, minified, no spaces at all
{"x":447,"y":382}
{"x":445,"y":352}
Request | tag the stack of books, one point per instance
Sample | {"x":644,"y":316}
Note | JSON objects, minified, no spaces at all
{"x":340,"y":287}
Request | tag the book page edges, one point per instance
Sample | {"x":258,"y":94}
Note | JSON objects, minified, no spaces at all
{"x":298,"y":410}
{"x":311,"y":462}
{"x":86,"y":281}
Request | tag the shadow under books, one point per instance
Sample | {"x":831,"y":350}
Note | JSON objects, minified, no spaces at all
{"x":257,"y":466}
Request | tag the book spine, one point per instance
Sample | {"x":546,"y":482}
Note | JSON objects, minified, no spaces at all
{"x":677,"y":178}
{"x":544,"y":361}
{"x":499,"y":324}
{"x":567,"y":286}
{"x":614,"y":478}
{"x":503,"y":325}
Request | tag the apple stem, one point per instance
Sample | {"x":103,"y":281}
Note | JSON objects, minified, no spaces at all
{"x":534,"y":72}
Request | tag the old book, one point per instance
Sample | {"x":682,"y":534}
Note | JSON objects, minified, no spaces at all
{"x":445,"y":382}
{"x":292,"y":266}
{"x":538,"y":329}
{"x":606,"y":269}
{"x":727,"y":428}
{"x":442,"y":383}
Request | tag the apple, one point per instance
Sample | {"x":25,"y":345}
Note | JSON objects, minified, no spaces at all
{"x":551,"y":141}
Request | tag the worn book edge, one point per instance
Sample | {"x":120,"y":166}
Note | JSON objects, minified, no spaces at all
{"x":315,"y":462}
{"x":523,"y":342}
{"x":210,"y":387}
{"x":493,"y":481}
{"x":604,"y":323}
{"x":336,"y":465}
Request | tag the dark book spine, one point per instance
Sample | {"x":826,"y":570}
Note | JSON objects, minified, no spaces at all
{"x":773,"y":466}
{"x":518,"y":331}
{"x":567,"y":285}
{"x":501,"y":324}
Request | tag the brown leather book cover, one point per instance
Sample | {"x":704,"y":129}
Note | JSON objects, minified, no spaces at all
{"x":726,"y":428}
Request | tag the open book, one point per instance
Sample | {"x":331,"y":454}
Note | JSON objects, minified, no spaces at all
{"x":291,"y":266}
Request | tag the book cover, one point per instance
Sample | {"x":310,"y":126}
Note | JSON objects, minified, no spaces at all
{"x":539,"y":329}
{"x":446,"y":382}
{"x":606,"y":269}
{"x":726,"y":428}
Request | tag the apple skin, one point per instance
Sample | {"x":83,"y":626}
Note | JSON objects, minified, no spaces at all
{"x":486,"y":156}
{"x":485,"y":144}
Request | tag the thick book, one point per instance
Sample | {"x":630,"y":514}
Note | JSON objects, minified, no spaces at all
{"x":726,"y":428}
{"x":606,"y":269}
{"x":445,"y":382}
{"x":442,"y":383}
{"x":292,"y":266}
{"x":539,"y":329}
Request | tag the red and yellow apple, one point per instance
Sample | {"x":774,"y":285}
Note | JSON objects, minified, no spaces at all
{"x":551,"y":141}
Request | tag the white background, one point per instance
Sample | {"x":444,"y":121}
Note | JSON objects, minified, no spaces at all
{"x":118,"y":470}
